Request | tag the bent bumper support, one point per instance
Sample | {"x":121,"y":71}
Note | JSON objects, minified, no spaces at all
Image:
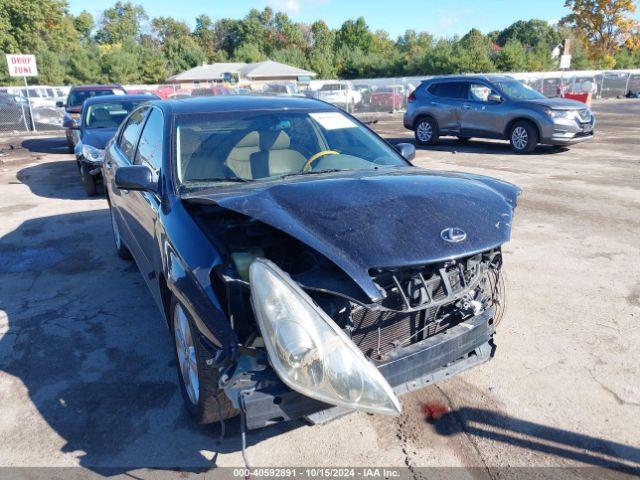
{"x":266,"y":400}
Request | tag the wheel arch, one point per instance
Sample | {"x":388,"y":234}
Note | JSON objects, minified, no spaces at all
{"x":507,"y":130}
{"x":422,"y":116}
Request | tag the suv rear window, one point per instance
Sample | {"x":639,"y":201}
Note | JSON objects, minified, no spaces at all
{"x":449,"y":89}
{"x":77,"y":97}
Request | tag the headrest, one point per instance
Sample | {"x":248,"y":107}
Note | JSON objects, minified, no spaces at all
{"x":101,"y":114}
{"x":274,"y":140}
{"x":251,"y":139}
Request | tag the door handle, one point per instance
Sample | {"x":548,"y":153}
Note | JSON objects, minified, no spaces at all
{"x":466,"y":106}
{"x":435,"y":104}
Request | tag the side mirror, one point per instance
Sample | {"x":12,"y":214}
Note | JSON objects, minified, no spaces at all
{"x":136,"y":178}
{"x":70,"y":123}
{"x":59,"y":104}
{"x":494,"y":98}
{"x":407,"y":150}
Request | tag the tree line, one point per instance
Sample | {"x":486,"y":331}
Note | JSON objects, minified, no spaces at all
{"x":125,"y":45}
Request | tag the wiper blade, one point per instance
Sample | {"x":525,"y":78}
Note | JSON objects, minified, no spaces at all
{"x":315,"y":172}
{"x":217,"y":179}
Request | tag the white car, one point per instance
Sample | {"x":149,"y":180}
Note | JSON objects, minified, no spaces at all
{"x":342,"y":94}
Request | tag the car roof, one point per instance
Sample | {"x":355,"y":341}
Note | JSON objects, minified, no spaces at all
{"x":120,"y":98}
{"x":109,"y":86}
{"x":231,"y":103}
{"x":486,"y":78}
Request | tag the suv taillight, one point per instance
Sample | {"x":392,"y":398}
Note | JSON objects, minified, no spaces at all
{"x":412,"y":96}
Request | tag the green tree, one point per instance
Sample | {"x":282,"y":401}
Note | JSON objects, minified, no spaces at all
{"x":84,"y":24}
{"x":473,"y":53}
{"x":530,"y":33}
{"x":249,"y":53}
{"x":512,"y":57}
{"x":179,"y":47}
{"x":121,"y":23}
{"x":354,"y":35}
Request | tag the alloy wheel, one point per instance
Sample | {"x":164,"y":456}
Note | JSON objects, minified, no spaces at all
{"x":186,"y":354}
{"x":424,"y":131}
{"x":519,"y":138}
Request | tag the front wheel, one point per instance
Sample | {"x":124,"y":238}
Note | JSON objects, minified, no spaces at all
{"x":523,"y":137}
{"x":89,"y":181}
{"x":426,"y":131}
{"x":198,"y":381}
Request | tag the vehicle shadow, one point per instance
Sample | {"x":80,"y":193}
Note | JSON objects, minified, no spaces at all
{"x":57,"y":179}
{"x":453,"y":145}
{"x":93,"y":357}
{"x":551,"y":441}
{"x":50,"y":145}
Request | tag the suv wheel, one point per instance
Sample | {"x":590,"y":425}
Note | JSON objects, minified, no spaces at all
{"x":523,"y":137}
{"x":426,"y":131}
{"x":198,"y":381}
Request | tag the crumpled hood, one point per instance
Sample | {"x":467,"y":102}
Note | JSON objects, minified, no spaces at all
{"x":381,"y":219}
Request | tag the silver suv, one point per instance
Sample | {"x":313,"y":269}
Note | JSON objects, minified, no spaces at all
{"x":495,"y":107}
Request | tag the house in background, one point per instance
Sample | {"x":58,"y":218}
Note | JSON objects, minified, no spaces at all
{"x":255,"y":74}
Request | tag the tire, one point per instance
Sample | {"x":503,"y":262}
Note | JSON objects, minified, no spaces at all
{"x":121,"y":248}
{"x":523,"y":137}
{"x":463,"y":139}
{"x":198,"y":382}
{"x":426,"y":131}
{"x":89,"y":181}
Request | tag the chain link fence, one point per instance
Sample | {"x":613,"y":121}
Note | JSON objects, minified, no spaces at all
{"x":368,"y":95}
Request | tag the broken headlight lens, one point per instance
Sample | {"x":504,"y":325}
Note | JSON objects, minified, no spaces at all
{"x":310,"y":353}
{"x":92,"y":154}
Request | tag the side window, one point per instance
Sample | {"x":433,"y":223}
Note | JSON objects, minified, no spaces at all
{"x":449,"y":89}
{"x":150,"y":146}
{"x":131,"y":132}
{"x":479,"y":92}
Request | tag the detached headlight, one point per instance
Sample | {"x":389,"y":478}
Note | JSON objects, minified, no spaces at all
{"x":309,"y":352}
{"x":92,"y":154}
{"x":558,"y":114}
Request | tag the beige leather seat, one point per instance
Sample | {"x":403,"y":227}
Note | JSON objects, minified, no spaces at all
{"x":275,"y":157}
{"x":239,"y":159}
{"x":196,"y":160}
{"x":100,"y":118}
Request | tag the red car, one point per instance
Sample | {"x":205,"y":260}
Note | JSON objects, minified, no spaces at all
{"x":387,"y":97}
{"x":73,"y":107}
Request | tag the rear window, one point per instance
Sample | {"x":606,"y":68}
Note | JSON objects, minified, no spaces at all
{"x":449,"y":89}
{"x":331,"y":87}
{"x":77,"y":97}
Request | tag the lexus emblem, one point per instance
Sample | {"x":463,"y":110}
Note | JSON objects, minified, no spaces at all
{"x":453,"y":235}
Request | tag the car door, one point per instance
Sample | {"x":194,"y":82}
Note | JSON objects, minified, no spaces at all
{"x":122,"y":154}
{"x":481,"y":117}
{"x":446,"y":102}
{"x":143,"y":206}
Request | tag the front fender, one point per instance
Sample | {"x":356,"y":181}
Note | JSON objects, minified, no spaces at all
{"x":187,"y":260}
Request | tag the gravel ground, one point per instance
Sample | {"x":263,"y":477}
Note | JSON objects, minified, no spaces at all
{"x":86,"y":368}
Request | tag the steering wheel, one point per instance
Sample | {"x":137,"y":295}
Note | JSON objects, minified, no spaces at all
{"x":313,"y":158}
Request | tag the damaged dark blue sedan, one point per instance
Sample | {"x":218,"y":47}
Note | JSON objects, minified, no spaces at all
{"x":304,"y":267}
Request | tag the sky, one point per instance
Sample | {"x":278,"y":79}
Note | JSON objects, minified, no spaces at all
{"x":440,"y":18}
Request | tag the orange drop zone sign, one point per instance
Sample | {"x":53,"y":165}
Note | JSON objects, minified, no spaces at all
{"x":22,"y":65}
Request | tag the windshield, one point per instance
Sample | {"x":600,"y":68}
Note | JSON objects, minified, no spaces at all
{"x":108,"y":115}
{"x":331,"y":87}
{"x":519,"y":91}
{"x":214,"y":149}
{"x":76,"y":97}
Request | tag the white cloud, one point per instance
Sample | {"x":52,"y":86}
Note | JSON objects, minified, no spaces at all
{"x":293,"y":7}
